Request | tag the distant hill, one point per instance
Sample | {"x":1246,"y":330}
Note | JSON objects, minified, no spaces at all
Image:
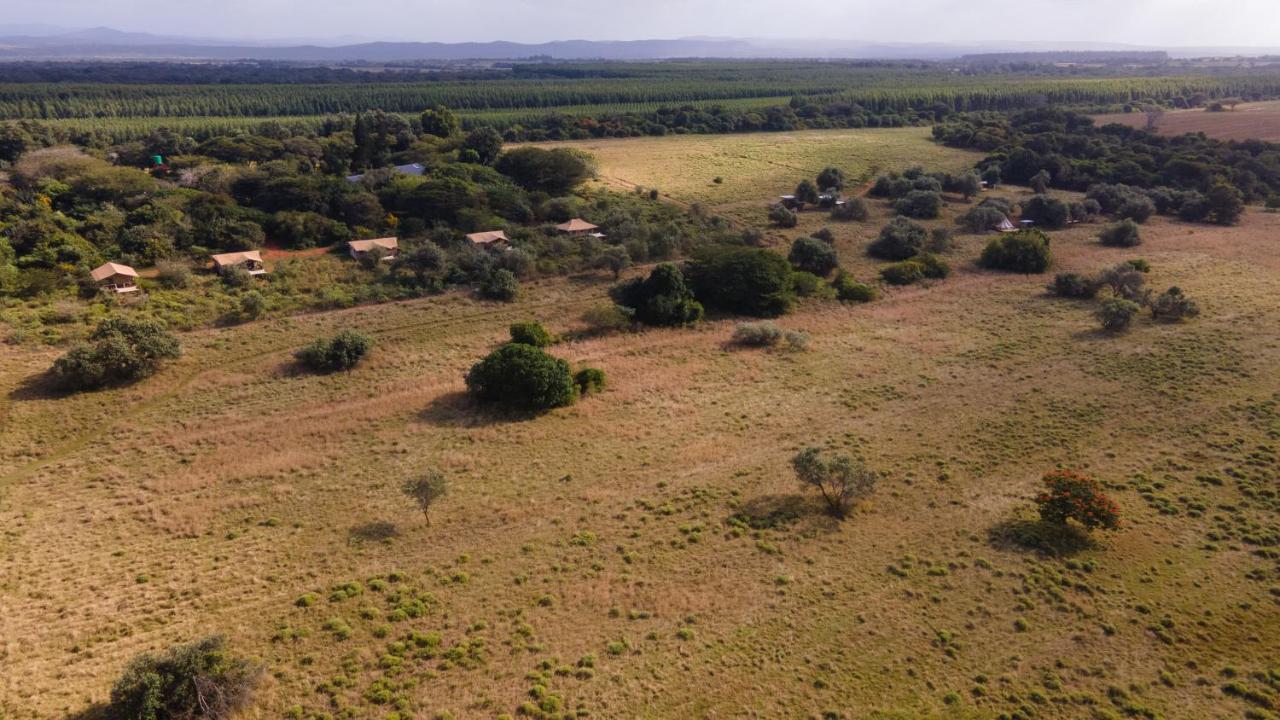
{"x":42,"y":42}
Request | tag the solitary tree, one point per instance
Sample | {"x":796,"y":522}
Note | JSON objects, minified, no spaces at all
{"x":842,"y":481}
{"x":426,"y":490}
{"x":807,"y":192}
{"x":1070,"y":495}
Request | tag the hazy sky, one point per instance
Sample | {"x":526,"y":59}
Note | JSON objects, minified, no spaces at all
{"x":1149,"y":22}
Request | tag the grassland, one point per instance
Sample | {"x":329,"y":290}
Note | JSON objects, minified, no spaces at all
{"x":755,"y":168}
{"x":1260,"y":120}
{"x":647,"y":553}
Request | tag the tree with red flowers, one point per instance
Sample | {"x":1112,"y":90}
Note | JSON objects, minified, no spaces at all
{"x":1069,"y":495}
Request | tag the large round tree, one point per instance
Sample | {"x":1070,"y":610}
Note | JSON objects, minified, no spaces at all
{"x":522,"y":377}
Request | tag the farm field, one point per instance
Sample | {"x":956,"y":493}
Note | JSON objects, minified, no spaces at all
{"x":755,"y":168}
{"x":647,"y":552}
{"x":1259,"y":120}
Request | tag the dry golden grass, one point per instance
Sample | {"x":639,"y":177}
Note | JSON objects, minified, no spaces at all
{"x":1248,"y":121}
{"x":230,"y":486}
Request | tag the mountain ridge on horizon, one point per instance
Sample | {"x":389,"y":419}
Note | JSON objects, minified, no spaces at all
{"x":47,"y":42}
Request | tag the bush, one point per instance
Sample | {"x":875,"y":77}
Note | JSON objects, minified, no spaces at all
{"x":757,"y":334}
{"x":1126,"y":282}
{"x":782,"y":217}
{"x":500,"y":285}
{"x":173,"y":275}
{"x":902,"y":273}
{"x":1070,"y":496}
{"x":1046,"y":211}
{"x":849,"y":290}
{"x":806,"y":284}
{"x":199,"y":680}
{"x":842,"y":481}
{"x":1173,"y":306}
{"x":589,"y":380}
{"x":923,"y":204}
{"x":252,"y":305}
{"x":236,"y":277}
{"x":899,"y":240}
{"x":1121,"y":234}
{"x":341,"y":352}
{"x":1116,"y":314}
{"x":522,"y":377}
{"x":854,"y":208}
{"x":934,"y":267}
{"x":1074,"y":285}
{"x":981,"y":219}
{"x":531,"y":333}
{"x":1137,"y":208}
{"x":120,"y":350}
{"x":1225,"y":204}
{"x":664,"y":298}
{"x":812,"y":255}
{"x":607,"y":318}
{"x":940,"y":240}
{"x":1025,"y":251}
{"x":751,"y":281}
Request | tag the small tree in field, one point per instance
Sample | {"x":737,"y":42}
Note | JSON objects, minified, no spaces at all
{"x":426,"y":490}
{"x":199,"y":680}
{"x":1069,"y":495}
{"x":842,"y":481}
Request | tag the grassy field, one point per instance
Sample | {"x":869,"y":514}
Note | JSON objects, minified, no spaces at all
{"x":756,"y":168}
{"x":647,"y":553}
{"x":1260,"y":120}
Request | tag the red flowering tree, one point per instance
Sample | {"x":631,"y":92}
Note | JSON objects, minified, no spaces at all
{"x":1069,"y":495}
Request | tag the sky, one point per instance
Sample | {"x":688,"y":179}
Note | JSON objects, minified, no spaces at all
{"x":1139,"y":22}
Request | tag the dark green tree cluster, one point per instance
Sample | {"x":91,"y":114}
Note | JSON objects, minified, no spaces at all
{"x":121,"y":349}
{"x":341,"y":352}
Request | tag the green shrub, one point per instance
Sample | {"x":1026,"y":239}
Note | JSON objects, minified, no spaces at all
{"x":849,"y":290}
{"x":531,"y":333}
{"x":934,"y":267}
{"x":1137,"y":208}
{"x":1121,"y":234}
{"x":806,"y":284}
{"x":522,"y":377}
{"x":1025,"y":251}
{"x":757,"y":334}
{"x":1074,"y":285}
{"x":782,"y":217}
{"x":902,"y":273}
{"x":120,"y":350}
{"x":751,"y":281}
{"x":854,"y":208}
{"x":199,"y":680}
{"x":252,"y":305}
{"x":609,"y":317}
{"x":589,"y":380}
{"x":940,"y":240}
{"x":340,"y":352}
{"x":173,"y":275}
{"x":1172,"y":306}
{"x":812,"y":255}
{"x":1046,"y":211}
{"x":982,"y":218}
{"x":899,"y":240}
{"x":500,"y":285}
{"x":664,"y":298}
{"x":1115,"y":314}
{"x":922,"y":204}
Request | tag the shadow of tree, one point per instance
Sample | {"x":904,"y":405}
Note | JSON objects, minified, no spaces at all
{"x":97,"y":711}
{"x":377,"y":531}
{"x":40,"y":386}
{"x":1040,"y":536}
{"x":458,"y":409}
{"x":803,"y":514}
